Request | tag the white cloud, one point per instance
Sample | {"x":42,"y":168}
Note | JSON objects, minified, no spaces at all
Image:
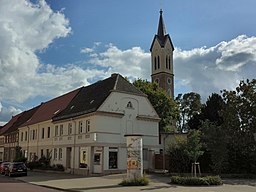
{"x":207,"y":70}
{"x":87,"y":50}
{"x":24,"y":29}
{"x":132,"y":63}
{"x":203,"y":70}
{"x":6,"y":113}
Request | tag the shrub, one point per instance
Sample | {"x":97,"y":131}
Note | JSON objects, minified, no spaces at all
{"x":209,"y":180}
{"x":58,"y":167}
{"x":21,"y":159}
{"x":140,"y":181}
{"x":33,"y":165}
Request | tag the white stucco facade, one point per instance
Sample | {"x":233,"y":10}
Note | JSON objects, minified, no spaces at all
{"x":95,"y":142}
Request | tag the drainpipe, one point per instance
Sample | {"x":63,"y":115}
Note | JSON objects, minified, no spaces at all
{"x":74,"y":158}
{"x":37,"y":141}
{"x":28,"y":138}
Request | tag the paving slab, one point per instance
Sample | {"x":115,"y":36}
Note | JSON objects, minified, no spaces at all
{"x":74,"y":183}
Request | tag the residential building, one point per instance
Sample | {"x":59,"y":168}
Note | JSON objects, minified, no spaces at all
{"x":84,"y":130}
{"x":95,"y":123}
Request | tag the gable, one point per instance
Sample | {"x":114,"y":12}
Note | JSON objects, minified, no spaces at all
{"x":163,"y":42}
{"x":90,"y":98}
{"x":118,"y":102}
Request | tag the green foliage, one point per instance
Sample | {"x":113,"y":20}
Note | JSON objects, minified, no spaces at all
{"x":44,"y":161}
{"x":19,"y":156}
{"x":165,"y":107}
{"x":33,"y":165}
{"x":194,"y":146}
{"x":195,"y":181}
{"x":179,"y":160}
{"x":58,"y":167}
{"x":189,"y":105}
{"x":214,"y":138}
{"x":210,"y":111}
{"x":140,"y":181}
{"x":239,"y":122}
{"x":20,"y":159}
{"x":228,"y":126}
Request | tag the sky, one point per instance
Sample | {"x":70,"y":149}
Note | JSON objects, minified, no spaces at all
{"x":50,"y":47}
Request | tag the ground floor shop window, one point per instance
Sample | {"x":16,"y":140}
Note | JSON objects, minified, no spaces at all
{"x":112,"y":160}
{"x":83,"y":158}
{"x":97,"y":158}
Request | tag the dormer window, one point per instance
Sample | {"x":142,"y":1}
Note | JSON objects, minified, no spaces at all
{"x":129,"y":104}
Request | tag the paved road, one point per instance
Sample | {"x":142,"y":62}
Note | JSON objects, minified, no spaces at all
{"x":13,"y":185}
{"x":110,"y":183}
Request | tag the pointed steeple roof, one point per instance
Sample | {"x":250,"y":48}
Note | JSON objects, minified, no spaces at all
{"x":161,"y":28}
{"x":161,"y":35}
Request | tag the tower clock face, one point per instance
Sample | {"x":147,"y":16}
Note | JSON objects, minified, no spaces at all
{"x":169,"y":81}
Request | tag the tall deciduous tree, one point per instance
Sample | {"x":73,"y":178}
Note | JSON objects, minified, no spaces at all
{"x":165,"y":107}
{"x":210,"y":112}
{"x":189,"y":105}
{"x":239,"y":116}
{"x":215,"y":140}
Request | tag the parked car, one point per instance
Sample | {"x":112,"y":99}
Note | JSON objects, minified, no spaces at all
{"x":16,"y":168}
{"x":3,"y":166}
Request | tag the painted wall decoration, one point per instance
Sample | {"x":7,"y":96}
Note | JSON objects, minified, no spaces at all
{"x":134,"y":156}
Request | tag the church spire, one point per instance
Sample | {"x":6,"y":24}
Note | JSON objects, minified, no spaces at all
{"x":162,"y":58}
{"x":161,"y":28}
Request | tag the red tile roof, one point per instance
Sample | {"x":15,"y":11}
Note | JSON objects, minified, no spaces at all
{"x":9,"y":124}
{"x":50,"y":108}
{"x":23,"y":118}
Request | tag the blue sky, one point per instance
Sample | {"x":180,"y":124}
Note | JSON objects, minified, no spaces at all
{"x":50,"y":47}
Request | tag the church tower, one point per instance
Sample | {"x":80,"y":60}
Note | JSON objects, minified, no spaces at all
{"x":162,"y":59}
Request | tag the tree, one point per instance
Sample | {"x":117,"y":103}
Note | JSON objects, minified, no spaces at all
{"x":239,"y":122}
{"x":18,"y":155}
{"x":189,"y":106}
{"x":215,"y":141}
{"x":212,"y":108}
{"x":194,"y":147}
{"x":179,"y":161}
{"x":165,"y":107}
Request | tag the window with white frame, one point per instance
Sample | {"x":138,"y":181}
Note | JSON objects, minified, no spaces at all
{"x":80,"y":126}
{"x":26,"y":136}
{"x":60,"y":153}
{"x":33,"y":134}
{"x":49,"y":132}
{"x":61,"y":129}
{"x":56,"y":130}
{"x":88,"y":126}
{"x":55,"y":153}
{"x":48,"y":153}
{"x":21,"y":137}
{"x":69,"y":128}
{"x":42,"y":133}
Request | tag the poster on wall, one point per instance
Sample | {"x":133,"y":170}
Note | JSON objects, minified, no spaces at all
{"x":134,"y":156}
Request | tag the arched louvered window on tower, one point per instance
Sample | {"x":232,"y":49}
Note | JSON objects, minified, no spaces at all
{"x":155,"y":63}
{"x":158,"y":62}
{"x":166,"y":62}
{"x":169,"y":62}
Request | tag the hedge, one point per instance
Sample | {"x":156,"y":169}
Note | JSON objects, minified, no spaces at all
{"x":140,"y":181}
{"x":195,"y":181}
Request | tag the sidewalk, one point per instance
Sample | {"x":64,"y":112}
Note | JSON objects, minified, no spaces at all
{"x":75,"y":183}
